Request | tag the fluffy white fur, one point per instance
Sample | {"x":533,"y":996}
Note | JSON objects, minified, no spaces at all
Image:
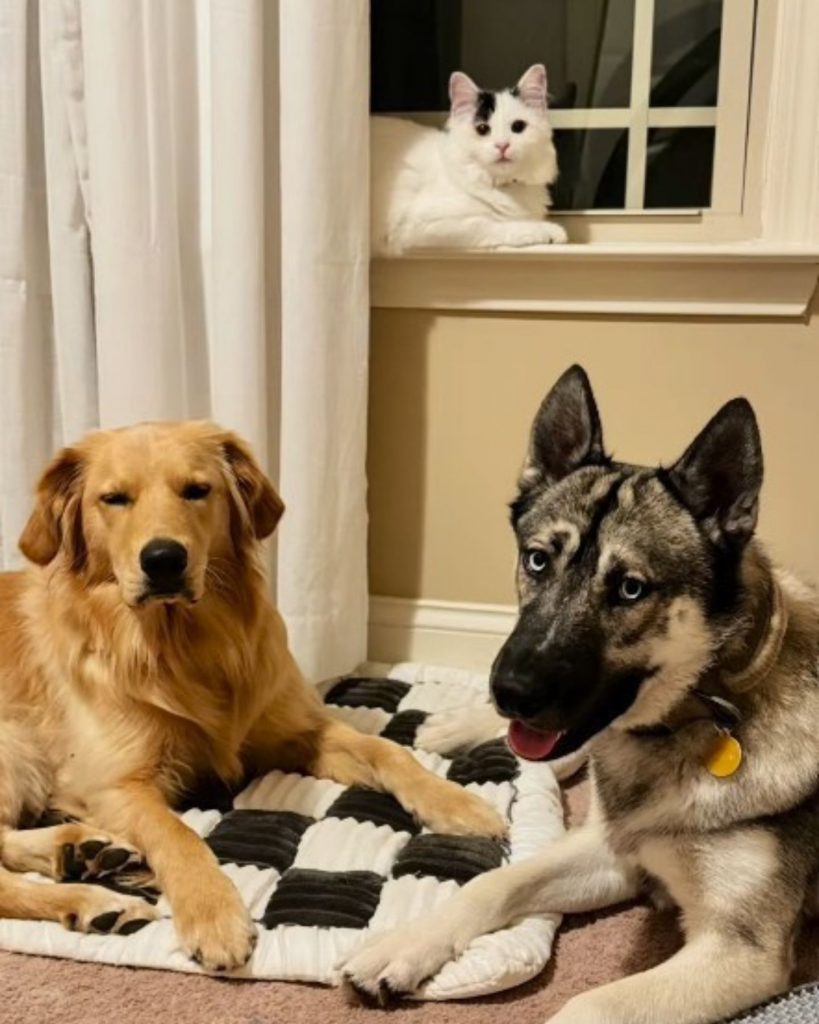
{"x":477,"y":184}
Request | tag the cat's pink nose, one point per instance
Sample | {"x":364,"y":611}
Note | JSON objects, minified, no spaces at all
{"x":502,"y":146}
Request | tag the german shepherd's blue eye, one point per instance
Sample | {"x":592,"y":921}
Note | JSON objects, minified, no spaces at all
{"x":631,"y":589}
{"x":115,"y":498}
{"x":535,"y":561}
{"x":518,"y":127}
{"x":195,"y":492}
{"x":482,"y":128}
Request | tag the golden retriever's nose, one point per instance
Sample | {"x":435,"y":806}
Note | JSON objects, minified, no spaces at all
{"x":164,"y":562}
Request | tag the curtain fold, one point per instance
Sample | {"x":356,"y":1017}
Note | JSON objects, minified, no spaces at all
{"x":325,"y":309}
{"x":164,"y":255}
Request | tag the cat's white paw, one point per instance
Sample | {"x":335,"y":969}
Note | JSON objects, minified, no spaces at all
{"x":557,"y":234}
{"x":450,"y":731}
{"x":518,"y":234}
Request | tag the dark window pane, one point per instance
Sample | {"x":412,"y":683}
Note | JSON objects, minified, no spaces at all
{"x":592,"y":169}
{"x":679,"y":168}
{"x":416,"y":44}
{"x":685,"y":60}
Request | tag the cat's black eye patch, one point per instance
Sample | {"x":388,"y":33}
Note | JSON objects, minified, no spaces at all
{"x":115,"y":498}
{"x":482,"y":129}
{"x":518,"y":127}
{"x":485,"y":106}
{"x":195,"y":492}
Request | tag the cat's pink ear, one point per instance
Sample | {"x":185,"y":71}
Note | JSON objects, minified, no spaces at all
{"x":532,"y":87}
{"x":463,"y":94}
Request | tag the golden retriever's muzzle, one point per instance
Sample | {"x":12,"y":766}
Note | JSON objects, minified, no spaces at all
{"x":164,"y":564}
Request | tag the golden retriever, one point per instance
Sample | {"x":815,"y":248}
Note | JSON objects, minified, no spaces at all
{"x":140,"y":652}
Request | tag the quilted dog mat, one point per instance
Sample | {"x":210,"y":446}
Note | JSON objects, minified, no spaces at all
{"x":321,"y":865}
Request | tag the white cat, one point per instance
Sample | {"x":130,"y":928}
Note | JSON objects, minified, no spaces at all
{"x":482,"y":183}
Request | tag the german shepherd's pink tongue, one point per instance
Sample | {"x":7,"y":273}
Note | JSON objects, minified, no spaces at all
{"x":530,"y":743}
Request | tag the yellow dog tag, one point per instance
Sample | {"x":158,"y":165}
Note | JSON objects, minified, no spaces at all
{"x":724,"y":756}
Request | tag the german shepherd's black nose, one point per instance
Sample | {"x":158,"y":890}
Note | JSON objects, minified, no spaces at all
{"x":516,"y":697}
{"x":164,"y":562}
{"x":547,"y":683}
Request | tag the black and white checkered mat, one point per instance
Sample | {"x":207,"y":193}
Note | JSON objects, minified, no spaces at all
{"x":320,"y":864}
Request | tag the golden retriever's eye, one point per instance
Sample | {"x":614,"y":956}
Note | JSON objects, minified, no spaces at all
{"x":115,"y":498}
{"x":195,"y":492}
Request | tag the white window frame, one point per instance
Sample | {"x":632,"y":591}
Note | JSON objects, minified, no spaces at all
{"x":729,"y":118}
{"x":762,"y":261}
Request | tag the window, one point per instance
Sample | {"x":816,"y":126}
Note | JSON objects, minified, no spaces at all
{"x":650,"y":98}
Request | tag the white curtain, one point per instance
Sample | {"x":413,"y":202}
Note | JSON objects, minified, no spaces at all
{"x":183,"y":232}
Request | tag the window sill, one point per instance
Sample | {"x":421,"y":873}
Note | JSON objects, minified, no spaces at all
{"x":739,"y":279}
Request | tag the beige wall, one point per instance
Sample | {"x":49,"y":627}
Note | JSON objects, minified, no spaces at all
{"x":452,"y":397}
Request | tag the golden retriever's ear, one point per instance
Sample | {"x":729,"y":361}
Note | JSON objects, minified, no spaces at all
{"x":259,"y":497}
{"x":56,"y":522}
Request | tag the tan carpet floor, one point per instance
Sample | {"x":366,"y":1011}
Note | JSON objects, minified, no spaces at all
{"x":591,"y":950}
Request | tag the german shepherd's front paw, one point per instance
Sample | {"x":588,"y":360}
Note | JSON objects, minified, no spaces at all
{"x":586,"y":1009}
{"x":393,"y":964}
{"x":453,"y":810}
{"x":214,"y":926}
{"x":448,"y":732}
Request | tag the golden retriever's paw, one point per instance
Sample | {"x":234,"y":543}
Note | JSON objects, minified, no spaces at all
{"x":455,"y":811}
{"x":70,"y":852}
{"x":223,"y":945}
{"x":102,"y":912}
{"x":217,"y":931}
{"x":83,"y":854}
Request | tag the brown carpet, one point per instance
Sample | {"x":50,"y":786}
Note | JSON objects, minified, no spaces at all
{"x":591,"y":950}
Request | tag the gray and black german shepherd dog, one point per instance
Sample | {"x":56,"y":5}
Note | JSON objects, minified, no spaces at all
{"x":654,"y":632}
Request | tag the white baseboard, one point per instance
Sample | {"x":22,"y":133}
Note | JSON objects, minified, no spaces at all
{"x":438,"y":632}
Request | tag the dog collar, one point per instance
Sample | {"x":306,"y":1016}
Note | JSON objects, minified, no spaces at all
{"x":724,"y":754}
{"x":724,"y":714}
{"x":768,"y":648}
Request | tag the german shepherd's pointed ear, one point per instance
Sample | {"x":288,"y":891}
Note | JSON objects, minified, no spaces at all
{"x":260,"y":503}
{"x":719,"y":476}
{"x":56,"y":522}
{"x":566,"y":433}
